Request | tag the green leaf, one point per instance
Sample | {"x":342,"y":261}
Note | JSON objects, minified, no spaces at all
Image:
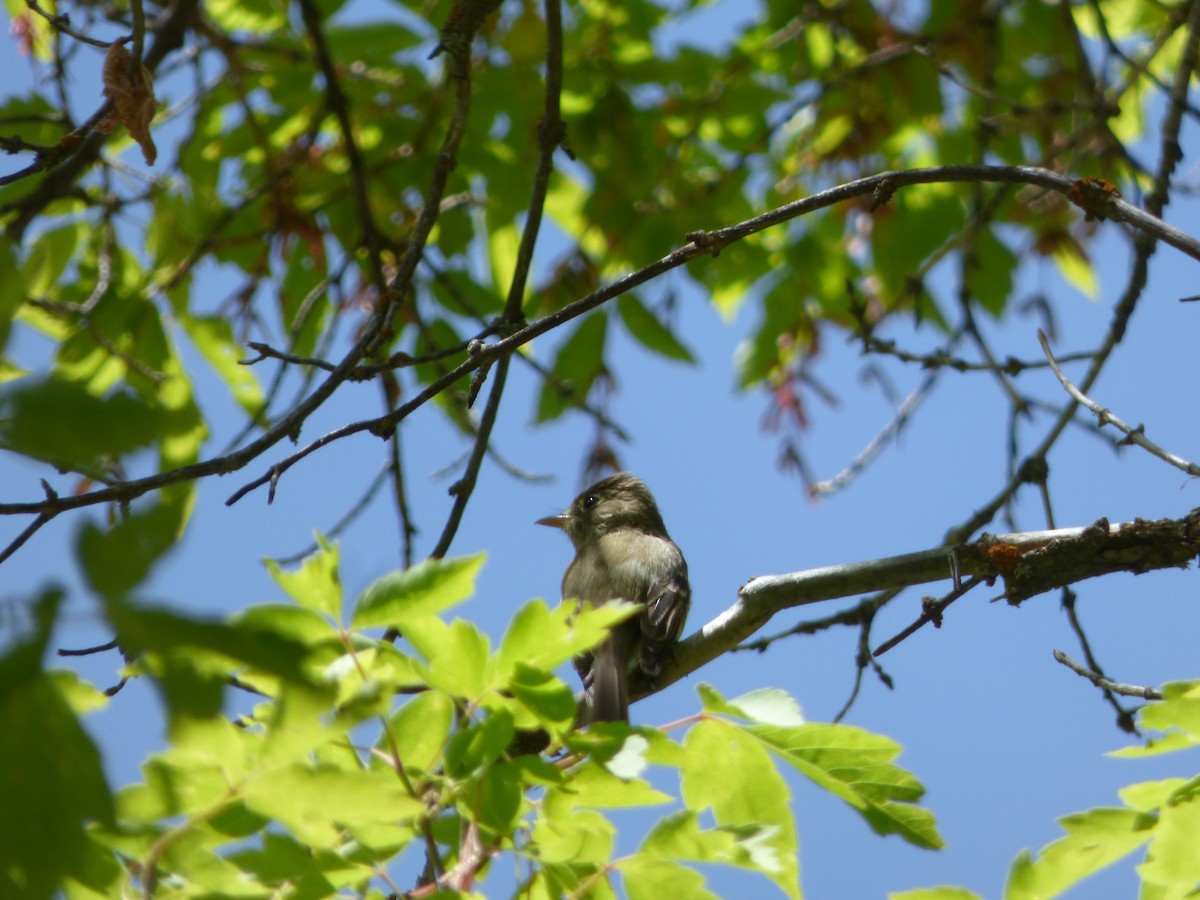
{"x":850,"y":763}
{"x":282,"y":860}
{"x":943,"y":892}
{"x":423,"y":590}
{"x":457,"y":655}
{"x":213,"y":337}
{"x":547,"y":697}
{"x":62,"y":423}
{"x":855,"y":765}
{"x":728,"y":771}
{"x":51,"y":253}
{"x":630,"y":760}
{"x":1077,"y":270}
{"x":1179,"y":709}
{"x":651,"y":333}
{"x":1171,"y":742}
{"x":254,"y":16}
{"x":1095,"y":839}
{"x":420,"y":730}
{"x":577,"y":365}
{"x":118,"y":559}
{"x":143,"y":629}
{"x":497,"y":799}
{"x":479,"y":745}
{"x":304,"y":625}
{"x":770,"y":706}
{"x":50,"y":766}
{"x":917,"y":221}
{"x":578,"y":837}
{"x":545,"y":638}
{"x":503,"y":242}
{"x":990,"y":274}
{"x":679,"y":836}
{"x":652,"y":878}
{"x":82,"y":696}
{"x":595,"y":787}
{"x":11,"y":294}
{"x":315,"y":585}
{"x":99,"y":874}
{"x":310,"y":801}
{"x":1172,"y":862}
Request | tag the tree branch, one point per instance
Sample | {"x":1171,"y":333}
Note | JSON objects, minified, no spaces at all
{"x":1029,"y":563}
{"x":1117,"y":687}
{"x":1095,"y":200}
{"x":700,"y":243}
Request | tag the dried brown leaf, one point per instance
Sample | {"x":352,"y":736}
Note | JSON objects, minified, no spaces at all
{"x":133,"y":102}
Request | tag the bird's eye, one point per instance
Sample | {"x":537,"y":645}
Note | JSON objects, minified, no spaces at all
{"x":590,"y":501}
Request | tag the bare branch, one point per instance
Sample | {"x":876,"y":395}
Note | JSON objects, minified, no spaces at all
{"x":1117,"y":687}
{"x":1105,"y":417}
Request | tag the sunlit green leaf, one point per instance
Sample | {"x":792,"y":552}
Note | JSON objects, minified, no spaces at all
{"x":649,"y":878}
{"x":253,"y":16}
{"x":546,"y":638}
{"x":728,"y":771}
{"x":426,"y":588}
{"x":770,"y":706}
{"x":315,"y":585}
{"x":1171,"y":862}
{"x":50,"y":255}
{"x":1179,"y":709}
{"x":311,"y":801}
{"x":213,"y":337}
{"x":420,"y":730}
{"x":457,"y":655}
{"x":855,"y":765}
{"x":546,"y":696}
{"x":1094,"y":840}
{"x":1077,"y":270}
{"x":943,"y":892}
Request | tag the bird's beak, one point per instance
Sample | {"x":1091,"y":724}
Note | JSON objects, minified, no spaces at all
{"x":559,"y":521}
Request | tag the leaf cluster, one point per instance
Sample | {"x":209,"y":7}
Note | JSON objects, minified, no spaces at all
{"x":356,"y":757}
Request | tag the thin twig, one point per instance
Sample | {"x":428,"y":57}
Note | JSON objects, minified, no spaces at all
{"x":1117,"y":687}
{"x":62,"y":23}
{"x":931,"y":612}
{"x":1106,"y":417}
{"x":552,"y":133}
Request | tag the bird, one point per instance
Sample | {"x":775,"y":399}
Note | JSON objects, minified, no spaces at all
{"x":623,"y":552}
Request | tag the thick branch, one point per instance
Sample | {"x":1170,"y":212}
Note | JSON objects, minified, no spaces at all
{"x":1029,"y":563}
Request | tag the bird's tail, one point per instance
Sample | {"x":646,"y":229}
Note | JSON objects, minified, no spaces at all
{"x":610,"y":699}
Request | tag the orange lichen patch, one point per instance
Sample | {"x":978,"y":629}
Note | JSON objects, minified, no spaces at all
{"x":1003,"y":558}
{"x":1092,"y":195}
